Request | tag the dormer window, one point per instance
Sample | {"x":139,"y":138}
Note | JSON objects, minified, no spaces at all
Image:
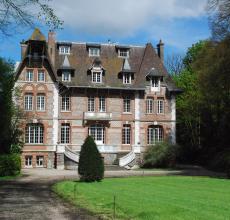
{"x":127,"y":78}
{"x":155,"y":81}
{"x":66,"y":76}
{"x":64,"y":49}
{"x":123,"y":53}
{"x":96,"y":77}
{"x":94,"y":52}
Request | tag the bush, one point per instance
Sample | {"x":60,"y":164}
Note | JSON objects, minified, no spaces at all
{"x":91,"y":164}
{"x":10,"y":164}
{"x":161,"y":155}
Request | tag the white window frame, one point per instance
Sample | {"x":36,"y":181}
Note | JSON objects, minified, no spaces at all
{"x":65,"y":103}
{"x":155,"y":135}
{"x":155,"y":83}
{"x":41,"y":102}
{"x":149,"y":105}
{"x":65,"y":133}
{"x":34,"y":133}
{"x":127,"y":104}
{"x":91,"y":104}
{"x":126,"y":134}
{"x":28,"y":102}
{"x":66,"y":76}
{"x":39,"y":161}
{"x":97,"y":132}
{"x":96,"y":76}
{"x":29,"y":75}
{"x":123,"y":53}
{"x":41,"y":73}
{"x":94,"y":52}
{"x":28,"y":161}
{"x":64,"y":49}
{"x":160,"y":106}
{"x":127,"y":78}
{"x":102,"y":104}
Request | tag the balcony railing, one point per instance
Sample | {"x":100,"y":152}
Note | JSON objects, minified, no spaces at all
{"x":99,"y":116}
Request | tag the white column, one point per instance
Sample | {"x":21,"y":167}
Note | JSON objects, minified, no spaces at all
{"x":173,"y":119}
{"x":55,"y":114}
{"x":137,"y":148}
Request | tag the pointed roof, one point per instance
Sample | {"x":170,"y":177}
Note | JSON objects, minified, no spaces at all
{"x":126,"y":65}
{"x":66,"y":65}
{"x":37,"y":35}
{"x":154,"y":72}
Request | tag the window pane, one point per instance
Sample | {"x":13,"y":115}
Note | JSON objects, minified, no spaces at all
{"x":126,"y":104}
{"x":126,"y":134}
{"x":41,"y":102}
{"x":91,"y":104}
{"x":155,"y":134}
{"x":149,"y":105}
{"x":41,"y":76}
{"x":28,"y":102}
{"x":102,"y":104}
{"x":34,"y":133}
{"x":65,"y":103}
{"x":65,"y":133}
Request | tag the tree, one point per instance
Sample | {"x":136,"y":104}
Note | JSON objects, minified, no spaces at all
{"x":10,"y":131}
{"x":174,"y":64}
{"x":219,"y":18}
{"x":15,"y":14}
{"x":91,"y":165}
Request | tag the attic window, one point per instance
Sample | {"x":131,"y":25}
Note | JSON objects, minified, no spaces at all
{"x":66,"y":77}
{"x":123,"y":53}
{"x":96,"y":77}
{"x":94,"y":52}
{"x":64,"y":49}
{"x":127,"y":78}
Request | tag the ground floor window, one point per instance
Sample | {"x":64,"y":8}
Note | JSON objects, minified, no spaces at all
{"x":40,"y":161}
{"x":126,"y":134}
{"x":65,"y":133}
{"x":97,"y":132}
{"x":28,"y":161}
{"x":34,"y":133}
{"x":155,"y":134}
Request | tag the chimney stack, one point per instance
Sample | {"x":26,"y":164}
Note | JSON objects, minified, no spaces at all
{"x":51,"y":46}
{"x":160,"y":50}
{"x":23,"y":49}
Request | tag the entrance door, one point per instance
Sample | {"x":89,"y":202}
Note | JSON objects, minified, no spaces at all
{"x":97,"y":132}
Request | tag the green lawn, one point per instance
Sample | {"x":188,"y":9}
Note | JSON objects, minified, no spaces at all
{"x":167,"y":197}
{"x":8,"y":177}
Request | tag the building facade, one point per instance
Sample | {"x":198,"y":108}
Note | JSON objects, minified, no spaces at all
{"x":121,"y":95}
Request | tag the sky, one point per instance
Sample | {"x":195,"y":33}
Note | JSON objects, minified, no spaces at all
{"x":179,"y":23}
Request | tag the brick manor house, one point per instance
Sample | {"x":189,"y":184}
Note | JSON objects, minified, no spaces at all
{"x":121,"y":95}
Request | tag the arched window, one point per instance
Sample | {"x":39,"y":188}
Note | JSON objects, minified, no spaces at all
{"x":34,"y":133}
{"x":97,"y":131}
{"x":155,"y":134}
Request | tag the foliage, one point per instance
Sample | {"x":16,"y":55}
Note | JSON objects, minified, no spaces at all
{"x":91,"y":165}
{"x":10,"y":131}
{"x":161,"y":155}
{"x":174,"y":64}
{"x":155,"y":197}
{"x":10,"y":164}
{"x":24,"y":13}
{"x":219,"y":17}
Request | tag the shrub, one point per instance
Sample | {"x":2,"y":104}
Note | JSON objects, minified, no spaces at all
{"x":91,"y":164}
{"x":10,"y":164}
{"x":161,"y":155}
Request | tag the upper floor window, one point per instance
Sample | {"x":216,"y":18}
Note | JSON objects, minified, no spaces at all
{"x":41,"y":76}
{"x":65,"y":133}
{"x":96,"y":77}
{"x":155,"y":134}
{"x":28,"y":102}
{"x":29,"y":75}
{"x":149,"y":105}
{"x":64,"y":49}
{"x":155,"y":82}
{"x":34,"y":133}
{"x":127,"y":78}
{"x":41,"y":102}
{"x":127,"y":104}
{"x":94,"y":51}
{"x":66,"y":76}
{"x":91,"y":104}
{"x":65,"y":103}
{"x":126,"y":134}
{"x":124,"y":53}
{"x":160,"y":106}
{"x":102,"y":107}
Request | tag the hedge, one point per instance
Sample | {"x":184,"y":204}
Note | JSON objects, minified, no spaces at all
{"x":10,"y":164}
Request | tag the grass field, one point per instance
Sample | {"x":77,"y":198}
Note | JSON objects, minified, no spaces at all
{"x":167,"y":198}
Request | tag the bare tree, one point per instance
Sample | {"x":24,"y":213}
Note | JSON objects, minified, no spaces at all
{"x":174,"y":64}
{"x":16,"y":14}
{"x":219,"y":16}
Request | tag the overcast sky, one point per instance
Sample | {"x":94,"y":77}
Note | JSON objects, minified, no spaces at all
{"x":179,"y":23}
